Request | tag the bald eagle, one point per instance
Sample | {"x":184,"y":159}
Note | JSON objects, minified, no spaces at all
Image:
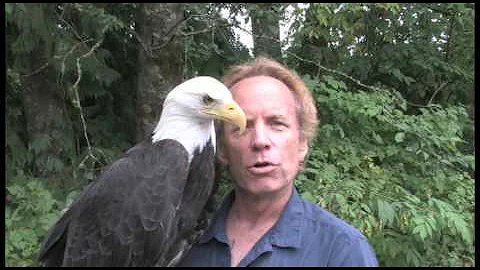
{"x":144,"y":208}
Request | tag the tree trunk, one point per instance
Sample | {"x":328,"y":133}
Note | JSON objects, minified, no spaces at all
{"x":266,"y":30}
{"x":46,"y":121}
{"x":160,"y":61}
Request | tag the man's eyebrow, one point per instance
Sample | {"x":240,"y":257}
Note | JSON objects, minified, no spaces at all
{"x":277,"y":117}
{"x":273,"y":116}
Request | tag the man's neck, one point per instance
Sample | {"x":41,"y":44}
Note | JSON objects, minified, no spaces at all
{"x":253,"y":210}
{"x":250,"y":217}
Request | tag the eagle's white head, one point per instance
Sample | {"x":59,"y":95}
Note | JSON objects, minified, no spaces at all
{"x":190,"y":109}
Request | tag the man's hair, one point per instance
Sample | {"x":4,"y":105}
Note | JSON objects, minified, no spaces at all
{"x":262,"y":66}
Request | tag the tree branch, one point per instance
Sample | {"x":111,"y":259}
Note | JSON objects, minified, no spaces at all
{"x":69,"y":25}
{"x":62,"y":69}
{"x":205,"y":30}
{"x":373,"y":88}
{"x":318,"y":65}
{"x":169,"y":33}
{"x":139,"y":39}
{"x":253,"y":35}
{"x":208,"y":29}
{"x":436,"y":91}
{"x":358,"y":82}
{"x":77,"y":98}
{"x":38,"y":70}
{"x":423,"y":106}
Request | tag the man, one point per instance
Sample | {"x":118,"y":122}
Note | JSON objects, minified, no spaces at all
{"x":264,"y":222}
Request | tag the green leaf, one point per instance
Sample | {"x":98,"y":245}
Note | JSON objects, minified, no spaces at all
{"x":421,"y":229}
{"x":386,"y":212}
{"x":309,"y":197}
{"x":399,"y":137}
{"x":340,"y":199}
{"x":377,"y":138}
{"x":462,"y":228}
{"x":397,"y":73}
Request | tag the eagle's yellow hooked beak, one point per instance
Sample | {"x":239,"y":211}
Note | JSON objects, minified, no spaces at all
{"x":231,"y":113}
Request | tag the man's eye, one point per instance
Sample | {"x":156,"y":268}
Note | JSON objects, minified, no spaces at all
{"x":207,"y":99}
{"x":279,"y":125}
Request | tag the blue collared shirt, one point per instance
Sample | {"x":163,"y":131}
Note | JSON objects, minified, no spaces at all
{"x":305,"y":235}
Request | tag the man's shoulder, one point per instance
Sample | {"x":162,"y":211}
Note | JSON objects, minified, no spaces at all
{"x":322,"y":221}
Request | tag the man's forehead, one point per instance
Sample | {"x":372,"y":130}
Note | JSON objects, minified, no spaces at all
{"x":265,"y":96}
{"x":260,"y":86}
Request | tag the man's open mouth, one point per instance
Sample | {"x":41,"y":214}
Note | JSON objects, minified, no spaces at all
{"x":262,"y":164}
{"x":263,"y":167}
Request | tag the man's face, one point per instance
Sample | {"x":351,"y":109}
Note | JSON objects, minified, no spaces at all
{"x":266,"y":158}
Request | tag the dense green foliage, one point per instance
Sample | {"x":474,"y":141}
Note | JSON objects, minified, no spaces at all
{"x":400,"y":178}
{"x":29,"y":213}
{"x":394,"y":85}
{"x":395,"y":160}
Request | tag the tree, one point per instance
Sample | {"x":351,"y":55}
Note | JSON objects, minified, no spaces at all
{"x":31,"y":49}
{"x":266,"y":30}
{"x":314,"y":40}
{"x":391,"y":155}
{"x":160,"y":62}
{"x":394,"y":84}
{"x":211,"y":46}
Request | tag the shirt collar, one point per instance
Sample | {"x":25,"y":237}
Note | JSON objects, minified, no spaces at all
{"x":218,"y":227}
{"x":285,"y":233}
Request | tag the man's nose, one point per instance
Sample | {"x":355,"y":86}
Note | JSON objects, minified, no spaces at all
{"x":260,"y":138}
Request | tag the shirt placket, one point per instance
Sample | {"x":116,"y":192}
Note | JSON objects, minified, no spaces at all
{"x":263,"y":246}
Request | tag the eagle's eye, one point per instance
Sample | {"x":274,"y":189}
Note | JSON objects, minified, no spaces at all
{"x":207,"y":99}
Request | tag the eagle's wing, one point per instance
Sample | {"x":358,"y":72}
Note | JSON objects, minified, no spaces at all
{"x":126,"y":216}
{"x":194,"y":216}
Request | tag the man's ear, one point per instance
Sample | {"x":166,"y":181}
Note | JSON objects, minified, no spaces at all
{"x":303,"y":149}
{"x":302,"y":154}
